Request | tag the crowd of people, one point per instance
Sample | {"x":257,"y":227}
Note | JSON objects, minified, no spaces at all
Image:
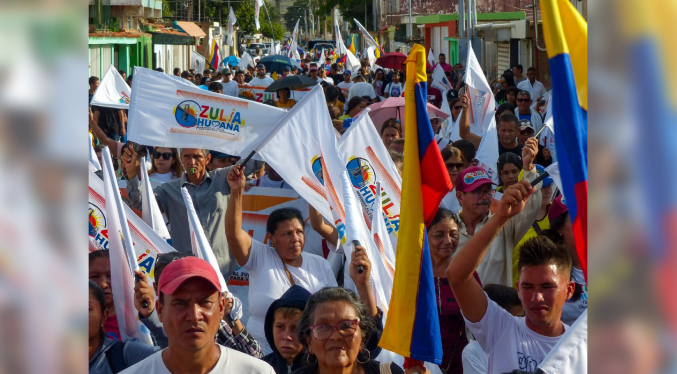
{"x":507,"y":278}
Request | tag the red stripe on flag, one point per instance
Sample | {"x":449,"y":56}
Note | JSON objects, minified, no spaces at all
{"x":580,"y":225}
{"x":433,"y":185}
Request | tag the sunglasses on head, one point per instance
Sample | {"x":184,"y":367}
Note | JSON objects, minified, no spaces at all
{"x":523,"y":100}
{"x":164,"y":155}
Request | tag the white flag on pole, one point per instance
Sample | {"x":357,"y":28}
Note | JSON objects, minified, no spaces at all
{"x":167,"y":112}
{"x":440,"y":80}
{"x":431,"y":57}
{"x":369,"y":41}
{"x":553,"y":170}
{"x":371,"y":56}
{"x":353,"y":63}
{"x":340,"y":47}
{"x":482,"y":119}
{"x":122,"y":259}
{"x":198,"y":240}
{"x":113,"y":91}
{"x":570,"y":354}
{"x":245,"y":61}
{"x":449,"y":128}
{"x":94,"y":164}
{"x":547,"y":136}
{"x":293,"y":53}
{"x":231,"y":23}
{"x":272,"y":50}
{"x":257,"y":8}
{"x":150,"y":211}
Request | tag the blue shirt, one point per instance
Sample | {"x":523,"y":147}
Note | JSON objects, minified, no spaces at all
{"x":525,"y":116}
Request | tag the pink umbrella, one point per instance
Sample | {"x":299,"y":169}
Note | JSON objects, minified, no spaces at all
{"x":393,"y":107}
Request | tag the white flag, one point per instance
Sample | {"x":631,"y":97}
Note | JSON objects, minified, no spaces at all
{"x":257,"y":8}
{"x":320,"y":59}
{"x":352,"y":62}
{"x":547,"y":136}
{"x":94,"y":164}
{"x":386,"y":249}
{"x":368,"y":163}
{"x":440,"y":80}
{"x":272,"y":50}
{"x":245,"y":61}
{"x":170,"y":112}
{"x":369,"y":41}
{"x":340,"y":47}
{"x":122,"y":259}
{"x":293,"y":53}
{"x":371,"y":56}
{"x":113,"y":91}
{"x":449,"y":128}
{"x":553,"y":170}
{"x":570,"y":354}
{"x":231,"y":23}
{"x":482,"y":119}
{"x":150,"y":211}
{"x":431,"y":57}
{"x":198,"y":240}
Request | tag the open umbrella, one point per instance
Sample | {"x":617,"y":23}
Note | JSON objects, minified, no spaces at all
{"x":392,"y":60}
{"x":276,"y":63}
{"x":393,"y":107}
{"x":231,"y":60}
{"x":292,"y":82}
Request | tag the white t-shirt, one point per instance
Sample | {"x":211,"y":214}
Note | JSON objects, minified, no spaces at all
{"x":345,"y":87}
{"x":261,"y":82}
{"x":508,"y":342}
{"x":265,"y":181}
{"x":536,"y":91}
{"x":230,"y":88}
{"x":162,"y":178}
{"x":328,"y":80}
{"x":572,"y":310}
{"x":394,"y":89}
{"x":268,"y":281}
{"x":230,"y":361}
{"x":473,"y":359}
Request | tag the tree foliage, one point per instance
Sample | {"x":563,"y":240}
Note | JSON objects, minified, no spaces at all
{"x":244,"y":12}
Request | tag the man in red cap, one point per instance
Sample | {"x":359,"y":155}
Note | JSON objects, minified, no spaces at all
{"x":474,"y":190}
{"x":190,"y":307}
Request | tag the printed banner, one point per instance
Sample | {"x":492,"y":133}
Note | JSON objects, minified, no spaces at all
{"x":113,"y":91}
{"x":197,"y":61}
{"x":259,"y":95}
{"x":166,"y":111}
{"x":150,"y":210}
{"x":147,"y":244}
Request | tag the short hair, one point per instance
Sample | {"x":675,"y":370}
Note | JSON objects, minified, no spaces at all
{"x":442,"y":215}
{"x":399,"y":141}
{"x":524,"y":93}
{"x":334,"y":66}
{"x":177,"y":70}
{"x":215,"y":86}
{"x":509,"y":117}
{"x":205,"y":152}
{"x":452,"y":152}
{"x":519,"y":67}
{"x":506,"y":297}
{"x":287,"y":312}
{"x":161,"y":70}
{"x":281,"y":215}
{"x":98,"y":294}
{"x":122,"y":72}
{"x":331,"y":93}
{"x":239,"y":72}
{"x":206,"y":71}
{"x":453,"y":101}
{"x":129,"y":78}
{"x":542,"y":251}
{"x":555,"y":225}
{"x":531,"y":69}
{"x":466,"y":147}
{"x":192,"y":71}
{"x":398,"y":160}
{"x":502,"y":108}
{"x":334,"y":294}
{"x":391,"y":123}
{"x":514,"y":90}
{"x":442,"y":55}
{"x":93,"y":79}
{"x":98,"y":254}
{"x":186,"y":74}
{"x":354,"y":102}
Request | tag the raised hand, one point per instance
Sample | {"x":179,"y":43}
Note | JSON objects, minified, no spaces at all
{"x":529,"y":153}
{"x":236,"y":178}
{"x":514,"y":199}
{"x":143,"y":292}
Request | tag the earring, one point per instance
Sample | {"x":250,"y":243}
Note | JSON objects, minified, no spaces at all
{"x":308,"y":360}
{"x":368,"y":356}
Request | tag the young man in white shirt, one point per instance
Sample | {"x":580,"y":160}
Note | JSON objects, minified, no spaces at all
{"x":534,"y":87}
{"x":229,"y":86}
{"x":543,"y":287}
{"x":190,"y":307}
{"x":346,"y":84}
{"x":261,"y":80}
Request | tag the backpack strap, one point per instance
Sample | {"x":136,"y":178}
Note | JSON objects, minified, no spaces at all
{"x":115,"y":357}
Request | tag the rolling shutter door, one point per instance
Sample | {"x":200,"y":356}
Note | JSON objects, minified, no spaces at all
{"x":503,"y":53}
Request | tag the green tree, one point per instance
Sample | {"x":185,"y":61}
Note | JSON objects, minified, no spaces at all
{"x":244,"y":12}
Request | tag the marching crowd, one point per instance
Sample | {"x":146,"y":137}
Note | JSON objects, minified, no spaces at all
{"x":507,"y":278}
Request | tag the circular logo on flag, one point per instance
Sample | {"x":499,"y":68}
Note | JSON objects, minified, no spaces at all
{"x":186,"y":113}
{"x":361,"y":173}
{"x":316,"y":164}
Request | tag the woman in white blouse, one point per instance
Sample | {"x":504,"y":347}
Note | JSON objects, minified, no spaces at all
{"x":166,"y":165}
{"x":272,"y":268}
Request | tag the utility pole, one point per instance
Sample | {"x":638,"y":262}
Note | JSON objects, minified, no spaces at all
{"x":461,"y":19}
{"x":410,"y":31}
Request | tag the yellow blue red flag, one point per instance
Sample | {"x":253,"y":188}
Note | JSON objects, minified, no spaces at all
{"x":566,"y":35}
{"x":412,"y":329}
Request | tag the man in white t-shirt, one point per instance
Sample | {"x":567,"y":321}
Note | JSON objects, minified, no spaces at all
{"x":261,"y":80}
{"x":543,"y":287}
{"x":229,"y":85}
{"x":534,"y":87}
{"x":346,"y":84}
{"x":190,"y":308}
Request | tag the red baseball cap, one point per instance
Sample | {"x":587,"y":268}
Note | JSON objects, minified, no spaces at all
{"x":179,"y":271}
{"x":557,"y":208}
{"x":471,"y":178}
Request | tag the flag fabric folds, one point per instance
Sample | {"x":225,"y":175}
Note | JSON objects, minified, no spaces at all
{"x":215,"y":59}
{"x":231,"y":23}
{"x":122,"y":259}
{"x":412,"y":330}
{"x":113,"y":91}
{"x":368,"y":39}
{"x":566,"y":34}
{"x":257,"y":9}
{"x":150,"y":211}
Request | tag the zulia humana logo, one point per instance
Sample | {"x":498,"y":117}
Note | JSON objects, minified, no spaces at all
{"x":190,"y":114}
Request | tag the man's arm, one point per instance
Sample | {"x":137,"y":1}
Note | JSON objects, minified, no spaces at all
{"x":326,"y":231}
{"x":464,"y":124}
{"x":469,"y":293}
{"x":148,"y":316}
{"x":520,"y":224}
{"x":239,"y":242}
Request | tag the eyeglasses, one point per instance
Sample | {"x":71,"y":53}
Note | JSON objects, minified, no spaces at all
{"x":345,"y":328}
{"x":530,"y":131}
{"x":458,"y":107}
{"x":452,"y":166}
{"x":479,"y":193}
{"x":165,"y":155}
{"x":523,"y":100}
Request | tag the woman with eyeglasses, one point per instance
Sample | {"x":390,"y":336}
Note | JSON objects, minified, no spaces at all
{"x":165,"y":166}
{"x":509,"y":168}
{"x":443,"y":236}
{"x":455,"y":162}
{"x":335,"y":328}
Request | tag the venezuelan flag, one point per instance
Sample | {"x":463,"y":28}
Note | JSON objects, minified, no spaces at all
{"x":216,"y":57}
{"x":351,"y":47}
{"x":566,"y":35}
{"x":412,"y":329}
